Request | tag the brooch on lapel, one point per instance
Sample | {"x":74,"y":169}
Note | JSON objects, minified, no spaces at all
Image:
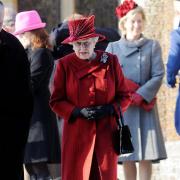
{"x":104,"y":58}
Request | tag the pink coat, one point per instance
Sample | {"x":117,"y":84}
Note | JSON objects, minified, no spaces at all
{"x":80,"y":83}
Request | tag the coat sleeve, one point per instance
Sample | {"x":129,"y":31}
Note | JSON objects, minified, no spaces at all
{"x":22,"y":103}
{"x":173,"y":64}
{"x":122,"y":90}
{"x":149,"y":90}
{"x":58,"y":100}
{"x":40,"y":64}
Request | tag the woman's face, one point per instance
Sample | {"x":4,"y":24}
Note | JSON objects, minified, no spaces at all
{"x":84,"y":49}
{"x":24,"y":39}
{"x":134,"y":26}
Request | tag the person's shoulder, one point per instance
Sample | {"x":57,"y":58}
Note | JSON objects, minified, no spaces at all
{"x":116,"y":42}
{"x":156,"y":45}
{"x":67,"y":59}
{"x":6,"y":34}
{"x":150,"y":42}
{"x":10,"y":39}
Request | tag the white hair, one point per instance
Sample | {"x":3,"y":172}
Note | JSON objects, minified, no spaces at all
{"x":95,"y":39}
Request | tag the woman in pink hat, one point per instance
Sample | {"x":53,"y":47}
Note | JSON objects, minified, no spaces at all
{"x":43,"y":142}
{"x":87,"y":88}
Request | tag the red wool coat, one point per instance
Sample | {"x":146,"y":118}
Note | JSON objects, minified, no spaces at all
{"x":81,"y":83}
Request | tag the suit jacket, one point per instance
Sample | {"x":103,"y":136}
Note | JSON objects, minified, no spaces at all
{"x":15,"y":102}
{"x":173,"y":66}
{"x":79,"y":83}
{"x":15,"y":92}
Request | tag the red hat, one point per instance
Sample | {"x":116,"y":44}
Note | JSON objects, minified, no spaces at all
{"x":81,"y":29}
{"x":125,"y":7}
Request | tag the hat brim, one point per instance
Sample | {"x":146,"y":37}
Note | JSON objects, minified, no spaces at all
{"x":30,"y":28}
{"x":73,"y":39}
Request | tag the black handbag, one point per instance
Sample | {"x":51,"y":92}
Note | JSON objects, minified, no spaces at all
{"x":122,"y":137}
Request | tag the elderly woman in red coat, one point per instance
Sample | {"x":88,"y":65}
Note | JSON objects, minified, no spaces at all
{"x":87,"y":86}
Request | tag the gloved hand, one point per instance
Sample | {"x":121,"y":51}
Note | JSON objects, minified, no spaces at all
{"x":93,"y":113}
{"x":87,"y":113}
{"x":136,"y":99}
{"x":102,"y":111}
{"x":171,"y":80}
{"x":148,"y":106}
{"x":75,"y":113}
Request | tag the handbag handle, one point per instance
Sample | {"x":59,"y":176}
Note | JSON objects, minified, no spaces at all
{"x":125,"y":145}
{"x":120,"y":121}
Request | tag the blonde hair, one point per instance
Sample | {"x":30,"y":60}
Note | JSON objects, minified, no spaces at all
{"x":131,"y":13}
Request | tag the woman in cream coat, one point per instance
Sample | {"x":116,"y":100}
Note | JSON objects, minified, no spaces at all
{"x":141,"y":62}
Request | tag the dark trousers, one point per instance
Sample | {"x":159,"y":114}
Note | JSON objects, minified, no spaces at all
{"x":13,"y":164}
{"x":13,"y":135}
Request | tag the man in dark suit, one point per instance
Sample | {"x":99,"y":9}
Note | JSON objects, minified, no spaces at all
{"x":15,"y":103}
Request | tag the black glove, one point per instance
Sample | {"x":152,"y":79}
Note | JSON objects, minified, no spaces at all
{"x":75,"y":113}
{"x":102,"y":111}
{"x":88,"y":113}
{"x":93,"y":113}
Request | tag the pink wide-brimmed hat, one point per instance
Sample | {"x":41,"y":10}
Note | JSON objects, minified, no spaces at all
{"x":27,"y":21}
{"x":81,"y":29}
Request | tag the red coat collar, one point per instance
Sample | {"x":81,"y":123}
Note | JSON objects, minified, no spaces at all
{"x":83,"y":68}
